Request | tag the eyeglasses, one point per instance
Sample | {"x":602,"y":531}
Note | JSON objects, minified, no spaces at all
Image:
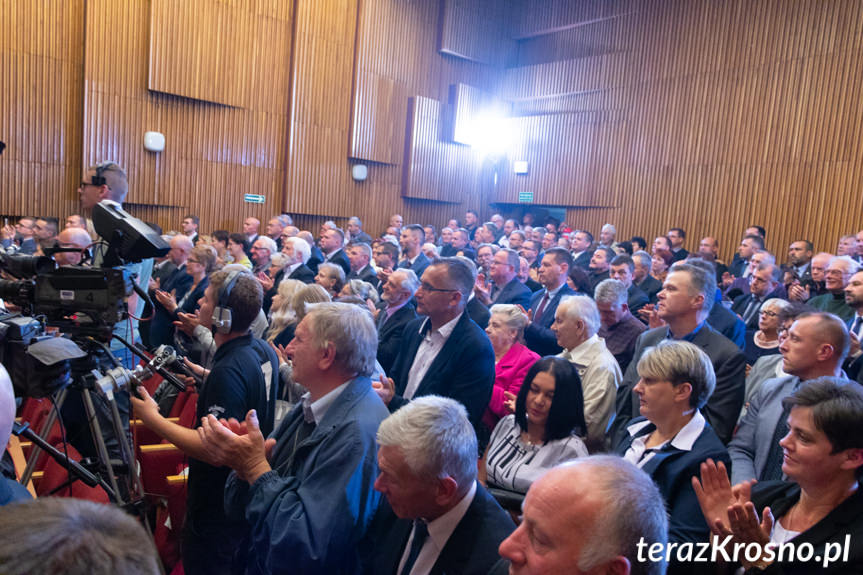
{"x":191,"y":261}
{"x":768,"y":313}
{"x":782,"y":332}
{"x":426,"y":287}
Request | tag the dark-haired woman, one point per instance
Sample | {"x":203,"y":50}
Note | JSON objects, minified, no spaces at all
{"x":546,"y":428}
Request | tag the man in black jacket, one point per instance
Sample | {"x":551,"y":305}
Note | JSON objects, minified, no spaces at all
{"x":445,"y":353}
{"x":398,"y":291}
{"x":684,"y":304}
{"x":437,"y":518}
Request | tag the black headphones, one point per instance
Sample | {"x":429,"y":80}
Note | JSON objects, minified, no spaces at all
{"x":222,"y":312}
{"x":99,"y":178}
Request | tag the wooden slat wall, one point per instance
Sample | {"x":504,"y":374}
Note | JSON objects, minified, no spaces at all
{"x":202,"y":49}
{"x":214,"y":154}
{"x":477,"y":30}
{"x":41,"y":76}
{"x":436,"y":170}
{"x":713,"y":116}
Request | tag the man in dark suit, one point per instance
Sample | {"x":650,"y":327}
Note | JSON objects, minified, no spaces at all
{"x":622,"y":269}
{"x":250,"y":230}
{"x":437,"y":518}
{"x":505,"y":287}
{"x":762,"y":285}
{"x":684,"y":304}
{"x":445,"y":353}
{"x":355,"y":229}
{"x":386,"y":256}
{"x":332,"y":241}
{"x":748,"y":246}
{"x":190,"y":227}
{"x":641,"y":277}
{"x":460,"y":245}
{"x":298,"y":253}
{"x":411,"y":241}
{"x":799,"y":258}
{"x":600,"y":263}
{"x":677,"y":236}
{"x":360,"y":255}
{"x":552,"y":275}
{"x":178,"y":283}
{"x":580,"y":245}
{"x":398,"y":311}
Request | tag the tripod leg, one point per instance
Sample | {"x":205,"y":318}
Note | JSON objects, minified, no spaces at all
{"x":36,"y":452}
{"x":99,"y":441}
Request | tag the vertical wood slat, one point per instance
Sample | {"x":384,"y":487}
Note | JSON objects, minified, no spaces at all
{"x":717,"y":116}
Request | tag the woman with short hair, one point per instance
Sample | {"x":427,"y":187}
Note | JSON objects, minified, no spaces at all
{"x":512,"y":359}
{"x":671,"y":438}
{"x":331,"y":277}
{"x":821,"y":505}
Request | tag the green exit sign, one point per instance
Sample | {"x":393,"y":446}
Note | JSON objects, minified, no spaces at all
{"x":525,"y":197}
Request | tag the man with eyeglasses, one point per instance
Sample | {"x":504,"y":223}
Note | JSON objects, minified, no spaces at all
{"x":445,"y":353}
{"x":814,"y":347}
{"x":763,"y":284}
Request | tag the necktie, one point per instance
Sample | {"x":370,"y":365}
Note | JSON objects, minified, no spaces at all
{"x":856,"y":328}
{"x":751,"y":310}
{"x":773,"y":464}
{"x":539,"y":311}
{"x":421,"y":533}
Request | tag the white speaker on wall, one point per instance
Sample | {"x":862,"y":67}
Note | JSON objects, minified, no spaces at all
{"x":359,"y":172}
{"x":154,"y":141}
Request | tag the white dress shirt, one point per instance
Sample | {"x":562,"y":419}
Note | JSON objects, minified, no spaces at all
{"x":430,"y":346}
{"x":440,"y":531}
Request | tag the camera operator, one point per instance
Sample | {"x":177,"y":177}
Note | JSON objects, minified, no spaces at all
{"x":244,"y":376}
{"x":107,"y":182}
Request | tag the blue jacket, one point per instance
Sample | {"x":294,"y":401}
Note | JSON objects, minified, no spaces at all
{"x":538,"y":335}
{"x":514,"y":292}
{"x":672,"y":469}
{"x":308,"y":516}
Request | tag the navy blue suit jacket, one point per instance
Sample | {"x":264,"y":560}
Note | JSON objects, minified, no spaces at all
{"x":515,"y":293}
{"x":672,"y":470}
{"x":340,"y":259}
{"x":462,"y":370}
{"x":419,"y":266}
{"x":727,"y":323}
{"x":538,"y":335}
{"x":303,"y":273}
{"x":470,"y":550}
{"x":162,"y":326}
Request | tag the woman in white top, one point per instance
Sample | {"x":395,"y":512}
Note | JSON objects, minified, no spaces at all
{"x":545,"y":430}
{"x":821,"y":507}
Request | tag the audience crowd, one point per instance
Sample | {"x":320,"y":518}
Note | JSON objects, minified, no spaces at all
{"x":500,"y":395}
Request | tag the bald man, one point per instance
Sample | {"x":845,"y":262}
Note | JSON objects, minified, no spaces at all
{"x":72,"y":238}
{"x":10,"y":491}
{"x":589,"y":516}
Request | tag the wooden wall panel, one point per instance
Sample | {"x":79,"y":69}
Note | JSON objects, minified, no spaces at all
{"x":478,"y":30}
{"x":540,"y":17}
{"x":213,"y":154}
{"x":714,"y":116}
{"x":434,"y":168}
{"x":202,"y":49}
{"x":41,"y":75}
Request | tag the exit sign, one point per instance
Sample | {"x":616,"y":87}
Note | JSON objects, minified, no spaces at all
{"x":525,"y":197}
